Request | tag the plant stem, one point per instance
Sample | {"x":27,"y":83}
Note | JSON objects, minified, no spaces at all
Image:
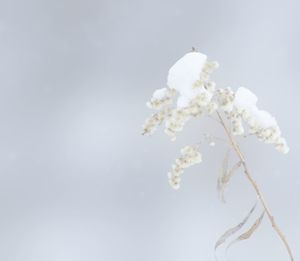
{"x":237,"y":149}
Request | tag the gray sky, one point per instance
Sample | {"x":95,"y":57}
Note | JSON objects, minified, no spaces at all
{"x":79,"y":182}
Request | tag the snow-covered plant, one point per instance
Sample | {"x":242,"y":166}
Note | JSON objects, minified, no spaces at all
{"x":191,"y":94}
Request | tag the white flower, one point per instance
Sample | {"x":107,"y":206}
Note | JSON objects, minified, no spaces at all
{"x":225,"y":98}
{"x":242,"y":106}
{"x":237,"y":127}
{"x":154,"y":121}
{"x":211,"y":107}
{"x":282,"y":146}
{"x":189,"y":156}
{"x":189,"y":77}
{"x":197,"y":95}
{"x":161,"y":98}
{"x":176,"y":121}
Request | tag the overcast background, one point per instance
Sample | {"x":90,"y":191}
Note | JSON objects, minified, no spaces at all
{"x":77,"y":180}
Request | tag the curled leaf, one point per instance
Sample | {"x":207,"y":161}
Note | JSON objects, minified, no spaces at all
{"x":249,"y":232}
{"x":233,"y":230}
{"x":222,"y":174}
{"x":225,"y":177}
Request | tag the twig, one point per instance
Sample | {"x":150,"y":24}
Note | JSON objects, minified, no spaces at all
{"x":237,"y":149}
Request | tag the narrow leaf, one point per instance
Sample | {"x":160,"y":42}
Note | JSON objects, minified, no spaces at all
{"x":224,"y":179}
{"x":225,"y":162}
{"x":233,"y":230}
{"x":229,"y":175}
{"x":249,"y":232}
{"x":224,"y":170}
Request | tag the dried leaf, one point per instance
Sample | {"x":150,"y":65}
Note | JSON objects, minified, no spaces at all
{"x":250,"y":231}
{"x":220,"y":185}
{"x":228,"y":176}
{"x":233,"y":230}
{"x":225,"y":162}
{"x":225,"y":177}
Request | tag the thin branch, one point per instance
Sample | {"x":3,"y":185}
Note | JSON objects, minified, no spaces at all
{"x":237,"y":149}
{"x":213,"y":118}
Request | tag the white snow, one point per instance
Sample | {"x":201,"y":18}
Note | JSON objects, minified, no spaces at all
{"x":264,"y":119}
{"x":245,"y":99}
{"x":185,"y":72}
{"x":183,"y":75}
{"x":183,"y":101}
{"x":159,"y":94}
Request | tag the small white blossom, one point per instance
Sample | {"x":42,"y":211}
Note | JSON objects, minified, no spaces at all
{"x":189,"y":156}
{"x":210,"y":86}
{"x":161,"y":98}
{"x":176,"y":121}
{"x":225,"y":99}
{"x":211,"y":107}
{"x":198,"y":106}
{"x":154,"y":121}
{"x":189,"y":76}
{"x":282,"y":146}
{"x":241,"y":107}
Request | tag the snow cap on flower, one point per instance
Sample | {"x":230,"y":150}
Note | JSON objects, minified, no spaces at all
{"x":261,"y":122}
{"x":245,"y":99}
{"x":161,"y":98}
{"x":245,"y":103}
{"x":263,"y":118}
{"x":189,"y":75}
{"x":185,"y":72}
{"x":189,"y":78}
{"x":196,"y":94}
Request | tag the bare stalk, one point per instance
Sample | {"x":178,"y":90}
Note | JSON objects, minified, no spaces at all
{"x":236,"y":148}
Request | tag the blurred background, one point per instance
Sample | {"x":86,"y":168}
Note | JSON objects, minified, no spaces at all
{"x":77,"y":179}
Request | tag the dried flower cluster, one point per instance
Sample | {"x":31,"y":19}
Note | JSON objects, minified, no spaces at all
{"x":189,"y":157}
{"x":196,"y":95}
{"x":189,"y":81}
{"x":240,"y":107}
